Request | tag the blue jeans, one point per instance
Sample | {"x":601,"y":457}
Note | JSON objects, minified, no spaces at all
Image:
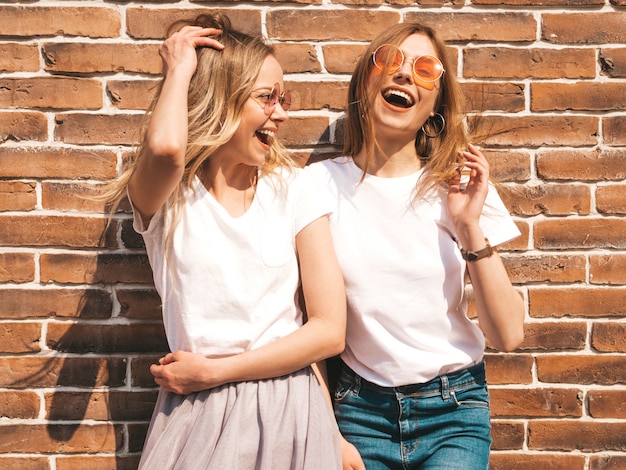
{"x":441,"y":424}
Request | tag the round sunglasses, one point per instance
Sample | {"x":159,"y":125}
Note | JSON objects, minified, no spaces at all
{"x":389,"y":58}
{"x":268,"y":99}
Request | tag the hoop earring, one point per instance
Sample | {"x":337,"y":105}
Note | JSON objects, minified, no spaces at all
{"x":438,"y":129}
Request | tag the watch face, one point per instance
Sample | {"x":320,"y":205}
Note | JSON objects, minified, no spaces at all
{"x":472,"y":256}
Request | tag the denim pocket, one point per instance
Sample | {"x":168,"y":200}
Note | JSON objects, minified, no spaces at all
{"x":471,"y":395}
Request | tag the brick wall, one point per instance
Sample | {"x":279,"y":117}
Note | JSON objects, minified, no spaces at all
{"x":80,"y":321}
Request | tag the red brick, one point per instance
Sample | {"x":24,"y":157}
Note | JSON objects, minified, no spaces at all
{"x":479,"y":26}
{"x":554,"y":336}
{"x":582,"y":165}
{"x":509,"y":368}
{"x":582,"y":370}
{"x":342,"y":58}
{"x":100,"y":58}
{"x":312,"y":130}
{"x":17,"y":57}
{"x":140,"y":371}
{"x":537,"y":131}
{"x":536,"y":403}
{"x":315,"y":25}
{"x":323,"y":95}
{"x":298,"y":58}
{"x":581,"y":96}
{"x":24,"y":463}
{"x":609,"y":337}
{"x":607,"y":269}
{"x":53,"y":162}
{"x":19,"y":405}
{"x":51,"y":92}
{"x":107,"y":339}
{"x":100,"y":406}
{"x":506,"y":435}
{"x":549,"y":199}
{"x":132,"y":94}
{"x":523,"y":63}
{"x":611,"y":199}
{"x":613,"y":62}
{"x":17,"y":195}
{"x":70,"y":268}
{"x":17,"y":267}
{"x":607,"y":404}
{"x":72,"y":197}
{"x":599,"y":28}
{"x":56,"y":231}
{"x":139,"y":304}
{"x":580,"y":233}
{"x":546,"y":268}
{"x":55,"y":438}
{"x":55,"y":21}
{"x":528,"y":461}
{"x":55,"y":302}
{"x":44,"y":372}
{"x":76,"y":128}
{"x":508,"y":165}
{"x":18,"y":126}
{"x":487,"y":96}
{"x":607,"y":462}
{"x":99,"y":462}
{"x":614,"y":128}
{"x":591,"y":302}
{"x":143,"y":23}
{"x":570,"y":435}
{"x":20,"y":337}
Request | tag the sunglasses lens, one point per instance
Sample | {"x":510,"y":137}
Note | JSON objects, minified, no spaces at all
{"x":285,"y":100}
{"x":388,"y":58}
{"x":428,"y":68}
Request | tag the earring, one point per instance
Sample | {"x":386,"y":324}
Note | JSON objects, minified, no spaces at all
{"x":437,"y":127}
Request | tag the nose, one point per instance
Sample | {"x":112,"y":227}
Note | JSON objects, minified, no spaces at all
{"x":279,"y":114}
{"x":405,"y":71}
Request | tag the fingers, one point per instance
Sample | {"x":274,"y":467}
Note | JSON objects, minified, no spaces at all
{"x":199,"y":36}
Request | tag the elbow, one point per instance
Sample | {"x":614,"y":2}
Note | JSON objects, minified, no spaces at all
{"x":169,"y":151}
{"x":511,"y":342}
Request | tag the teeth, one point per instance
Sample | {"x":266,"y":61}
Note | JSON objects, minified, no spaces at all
{"x":401,"y":94}
{"x":266,"y":132}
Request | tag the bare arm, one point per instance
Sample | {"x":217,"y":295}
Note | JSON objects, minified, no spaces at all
{"x":322,"y":336}
{"x":500,"y":308}
{"x":161,"y":166}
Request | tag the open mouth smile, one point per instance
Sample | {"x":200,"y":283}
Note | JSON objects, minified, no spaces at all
{"x":398,"y":98}
{"x":266,"y":136}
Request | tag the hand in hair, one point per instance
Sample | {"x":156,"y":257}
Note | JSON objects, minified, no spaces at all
{"x":179,"y":50}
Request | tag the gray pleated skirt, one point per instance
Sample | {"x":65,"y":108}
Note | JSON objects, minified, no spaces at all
{"x":284,"y":423}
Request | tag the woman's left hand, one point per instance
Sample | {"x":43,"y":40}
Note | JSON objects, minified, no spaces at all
{"x":182,"y":372}
{"x":466,"y":204}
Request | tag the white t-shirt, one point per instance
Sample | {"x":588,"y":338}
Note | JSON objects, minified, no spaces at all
{"x":229,"y":284}
{"x":404,"y":274}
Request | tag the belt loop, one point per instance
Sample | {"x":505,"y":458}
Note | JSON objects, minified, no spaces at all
{"x":357,"y":383}
{"x":445,"y":388}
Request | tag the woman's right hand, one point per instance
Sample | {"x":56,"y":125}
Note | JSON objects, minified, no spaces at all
{"x":179,"y":50}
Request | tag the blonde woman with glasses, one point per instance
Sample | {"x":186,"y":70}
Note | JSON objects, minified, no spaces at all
{"x":407,"y":228}
{"x":232,"y":229}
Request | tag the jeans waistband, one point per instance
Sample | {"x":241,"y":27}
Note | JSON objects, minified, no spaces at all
{"x":440,"y":384}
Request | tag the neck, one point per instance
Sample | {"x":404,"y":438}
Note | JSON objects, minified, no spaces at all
{"x":233,"y":187}
{"x":390,"y":161}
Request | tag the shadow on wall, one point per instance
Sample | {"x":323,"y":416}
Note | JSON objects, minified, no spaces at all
{"x":104,"y":393}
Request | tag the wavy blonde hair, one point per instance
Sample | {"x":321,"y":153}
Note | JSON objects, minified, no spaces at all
{"x":439,"y":154}
{"x":218,"y":91}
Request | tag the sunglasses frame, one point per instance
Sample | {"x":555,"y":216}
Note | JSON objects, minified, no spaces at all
{"x":275,"y":96}
{"x":414,"y":60}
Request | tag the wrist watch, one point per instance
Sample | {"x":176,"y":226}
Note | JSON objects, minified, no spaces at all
{"x":471,"y":256}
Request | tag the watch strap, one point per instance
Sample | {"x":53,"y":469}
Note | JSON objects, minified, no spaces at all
{"x":471,"y":256}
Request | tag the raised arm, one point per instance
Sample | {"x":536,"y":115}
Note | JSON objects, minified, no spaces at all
{"x":322,"y":336}
{"x":499,"y":307}
{"x":162,"y":163}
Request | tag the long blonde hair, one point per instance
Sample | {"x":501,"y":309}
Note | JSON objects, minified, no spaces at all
{"x":439,"y":154}
{"x":218,"y":91}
